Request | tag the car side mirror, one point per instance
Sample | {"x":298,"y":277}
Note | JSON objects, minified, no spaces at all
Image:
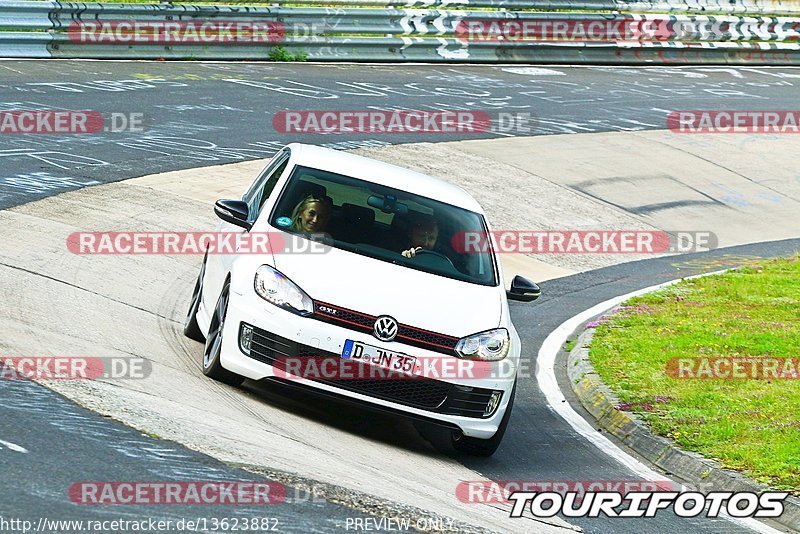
{"x":523,"y":290}
{"x":233,"y":211}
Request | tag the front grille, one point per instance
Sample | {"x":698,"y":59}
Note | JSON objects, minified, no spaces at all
{"x":424,"y":393}
{"x":362,"y":322}
{"x":420,"y":393}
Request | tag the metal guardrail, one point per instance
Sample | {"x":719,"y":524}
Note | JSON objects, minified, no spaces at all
{"x":187,"y":31}
{"x":702,"y":7}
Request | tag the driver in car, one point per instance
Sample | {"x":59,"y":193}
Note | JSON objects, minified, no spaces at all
{"x":311,"y":214}
{"x":422,"y":236}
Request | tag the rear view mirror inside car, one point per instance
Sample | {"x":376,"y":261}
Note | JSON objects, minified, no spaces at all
{"x":387,"y":204}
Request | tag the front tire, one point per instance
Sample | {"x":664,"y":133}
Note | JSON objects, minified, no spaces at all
{"x":212,"y":367}
{"x":484,"y":447}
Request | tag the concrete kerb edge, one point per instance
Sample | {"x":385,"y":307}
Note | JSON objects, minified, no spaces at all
{"x":364,"y":502}
{"x":380,"y":507}
{"x":598,"y":399}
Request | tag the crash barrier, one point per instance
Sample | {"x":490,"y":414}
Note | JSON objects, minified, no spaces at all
{"x":526,"y":35}
{"x":703,"y":7}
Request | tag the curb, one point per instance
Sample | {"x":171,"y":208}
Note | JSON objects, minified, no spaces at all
{"x":598,"y":399}
{"x":421,"y":520}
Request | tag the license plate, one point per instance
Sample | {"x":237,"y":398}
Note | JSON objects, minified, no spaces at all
{"x":386,"y":359}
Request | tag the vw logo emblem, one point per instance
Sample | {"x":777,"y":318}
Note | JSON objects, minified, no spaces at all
{"x":385,"y":328}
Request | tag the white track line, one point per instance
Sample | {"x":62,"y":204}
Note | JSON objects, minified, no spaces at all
{"x":13,"y":446}
{"x":546,"y":377}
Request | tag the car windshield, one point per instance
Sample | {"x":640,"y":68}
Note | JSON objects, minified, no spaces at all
{"x":385,"y":224}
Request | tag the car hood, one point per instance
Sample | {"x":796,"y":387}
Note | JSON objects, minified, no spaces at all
{"x":376,"y":287}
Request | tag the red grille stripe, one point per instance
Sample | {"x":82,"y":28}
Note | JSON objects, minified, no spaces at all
{"x":318,"y":314}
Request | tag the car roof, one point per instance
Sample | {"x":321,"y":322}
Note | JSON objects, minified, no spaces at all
{"x":371,"y":170}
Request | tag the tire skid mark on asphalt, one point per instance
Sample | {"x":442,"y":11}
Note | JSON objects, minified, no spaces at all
{"x":78,"y":287}
{"x":189,"y":360}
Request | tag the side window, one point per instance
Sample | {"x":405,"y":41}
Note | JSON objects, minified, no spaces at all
{"x":258,"y":182}
{"x":269,"y":185}
{"x":264,"y":184}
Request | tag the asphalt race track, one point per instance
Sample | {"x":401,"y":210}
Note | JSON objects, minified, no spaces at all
{"x":198,"y":114}
{"x":69,"y":444}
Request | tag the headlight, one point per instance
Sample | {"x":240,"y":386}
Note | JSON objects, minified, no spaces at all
{"x":489,"y":346}
{"x":275,"y":288}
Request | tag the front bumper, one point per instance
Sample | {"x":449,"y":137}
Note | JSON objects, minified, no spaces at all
{"x":278,"y":334}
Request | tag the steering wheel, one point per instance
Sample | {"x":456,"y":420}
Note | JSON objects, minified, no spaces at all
{"x":438,"y":254}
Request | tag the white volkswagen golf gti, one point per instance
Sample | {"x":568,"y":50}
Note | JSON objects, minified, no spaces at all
{"x":365,"y":268}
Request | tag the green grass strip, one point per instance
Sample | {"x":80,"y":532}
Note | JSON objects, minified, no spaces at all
{"x":750,"y":425}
